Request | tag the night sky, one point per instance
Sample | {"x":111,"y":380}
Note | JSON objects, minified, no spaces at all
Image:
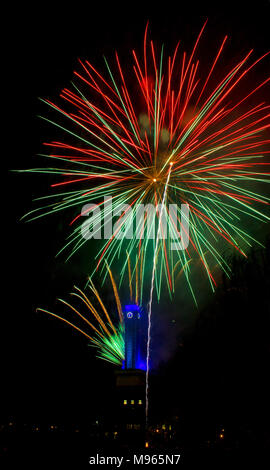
{"x":48,"y":371}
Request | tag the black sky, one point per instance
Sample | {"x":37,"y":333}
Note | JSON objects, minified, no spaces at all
{"x":45,"y":367}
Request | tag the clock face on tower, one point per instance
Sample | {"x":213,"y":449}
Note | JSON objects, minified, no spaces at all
{"x":135,"y":315}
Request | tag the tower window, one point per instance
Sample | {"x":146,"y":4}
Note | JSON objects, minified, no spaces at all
{"x":140,"y":402}
{"x":132,"y":402}
{"x":125,"y":402}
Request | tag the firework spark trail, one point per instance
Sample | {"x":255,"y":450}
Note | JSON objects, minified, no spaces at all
{"x":151,"y":299}
{"x":108,"y":335}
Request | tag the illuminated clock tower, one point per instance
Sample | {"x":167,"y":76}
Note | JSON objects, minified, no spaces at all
{"x":135,"y":337}
{"x":130,"y":381}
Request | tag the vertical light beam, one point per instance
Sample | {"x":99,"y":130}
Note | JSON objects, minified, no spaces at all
{"x":151,"y":299}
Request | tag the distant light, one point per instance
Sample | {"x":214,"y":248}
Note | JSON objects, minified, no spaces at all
{"x":132,"y":402}
{"x":147,"y":445}
{"x":221,"y":436}
{"x":140,"y":402}
{"x":125,"y":402}
{"x":154,"y":180}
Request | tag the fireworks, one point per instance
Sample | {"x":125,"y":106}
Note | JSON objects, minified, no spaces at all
{"x":106,"y":336}
{"x":168,"y":134}
{"x":107,"y":332}
{"x":124,"y":134}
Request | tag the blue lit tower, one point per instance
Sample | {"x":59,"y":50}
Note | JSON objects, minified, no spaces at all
{"x":135,"y":337}
{"x":130,"y":381}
